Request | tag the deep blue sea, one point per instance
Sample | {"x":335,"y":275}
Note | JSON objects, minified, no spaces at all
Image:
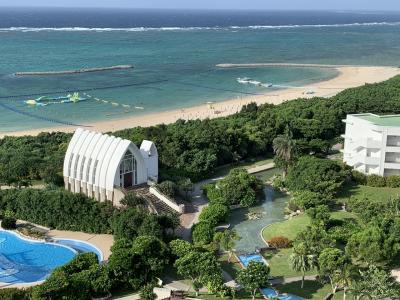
{"x":174,"y":54}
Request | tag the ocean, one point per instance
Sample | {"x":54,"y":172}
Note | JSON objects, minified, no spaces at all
{"x":174,"y":54}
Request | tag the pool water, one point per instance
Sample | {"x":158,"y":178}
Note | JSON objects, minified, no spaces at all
{"x":26,"y":261}
{"x":246,"y":259}
{"x":272,"y":293}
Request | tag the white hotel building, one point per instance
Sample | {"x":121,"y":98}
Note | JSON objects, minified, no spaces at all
{"x":372,"y":143}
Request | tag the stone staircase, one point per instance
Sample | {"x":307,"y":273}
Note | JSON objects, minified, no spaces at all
{"x":154,"y":204}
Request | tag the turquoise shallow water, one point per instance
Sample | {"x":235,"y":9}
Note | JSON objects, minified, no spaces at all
{"x":173,"y":68}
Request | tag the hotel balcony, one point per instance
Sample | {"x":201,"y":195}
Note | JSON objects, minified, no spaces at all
{"x":392,"y":165}
{"x":367,"y":143}
{"x":355,"y":159}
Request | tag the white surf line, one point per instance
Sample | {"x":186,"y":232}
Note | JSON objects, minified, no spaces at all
{"x":294,"y":65}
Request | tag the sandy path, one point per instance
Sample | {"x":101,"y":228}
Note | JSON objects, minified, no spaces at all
{"x":349,"y":76}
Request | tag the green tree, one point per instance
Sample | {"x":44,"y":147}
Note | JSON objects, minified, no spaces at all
{"x":180,"y":247}
{"x":226,"y":240}
{"x":331,"y":261}
{"x":371,"y":246}
{"x":186,"y":186}
{"x":285,"y":148}
{"x":317,"y":175}
{"x":239,"y":187}
{"x":200,"y":267}
{"x":302,"y":260}
{"x":254,"y":277}
{"x":375,"y":284}
{"x":315,"y":238}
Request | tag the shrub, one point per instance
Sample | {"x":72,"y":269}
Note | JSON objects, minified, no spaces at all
{"x":376,"y":181}
{"x":358,"y":177}
{"x":132,"y":200}
{"x":292,"y":205}
{"x":14,"y":294}
{"x":393,"y":181}
{"x":318,"y":175}
{"x":280,"y":242}
{"x":9,"y":223}
{"x":146,"y":292}
{"x":308,"y":199}
{"x":203,"y":233}
{"x":240,"y":187}
{"x":214,"y":213}
{"x":278,"y":182}
{"x":168,"y":188}
{"x":58,"y":209}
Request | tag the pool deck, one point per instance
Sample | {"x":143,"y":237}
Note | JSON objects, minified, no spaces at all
{"x":101,"y":241}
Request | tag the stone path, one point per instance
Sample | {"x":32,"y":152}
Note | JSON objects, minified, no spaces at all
{"x":261,"y":168}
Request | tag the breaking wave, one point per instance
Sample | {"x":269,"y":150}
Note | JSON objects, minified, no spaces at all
{"x":144,"y":29}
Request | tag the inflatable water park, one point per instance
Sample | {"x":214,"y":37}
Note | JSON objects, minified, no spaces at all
{"x":45,"y":100}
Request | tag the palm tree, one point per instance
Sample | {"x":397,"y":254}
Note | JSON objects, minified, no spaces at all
{"x":302,"y":260}
{"x":284,"y":148}
{"x":226,"y":241}
{"x":345,"y":278}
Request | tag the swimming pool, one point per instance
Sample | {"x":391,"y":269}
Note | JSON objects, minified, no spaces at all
{"x":246,"y":259}
{"x":271,"y":293}
{"x":27,"y":261}
{"x":81,"y":247}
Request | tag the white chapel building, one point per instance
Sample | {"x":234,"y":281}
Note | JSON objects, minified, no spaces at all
{"x":101,"y":166}
{"x":372,"y":143}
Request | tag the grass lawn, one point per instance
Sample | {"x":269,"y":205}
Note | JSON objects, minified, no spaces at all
{"x":279,"y":263}
{"x":279,"y":260}
{"x":259,"y":161}
{"x":313,"y":290}
{"x":362,"y":191}
{"x":288,"y":228}
{"x":231,"y":268}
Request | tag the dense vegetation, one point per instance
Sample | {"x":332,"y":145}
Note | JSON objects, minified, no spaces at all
{"x":58,"y":209}
{"x":194,"y":148}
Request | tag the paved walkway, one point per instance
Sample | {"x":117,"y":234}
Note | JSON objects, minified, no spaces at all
{"x":199,"y":201}
{"x":285,"y":280}
{"x":101,"y":241}
{"x":261,"y":168}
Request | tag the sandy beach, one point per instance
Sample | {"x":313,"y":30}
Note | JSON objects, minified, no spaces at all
{"x":348,"y":76}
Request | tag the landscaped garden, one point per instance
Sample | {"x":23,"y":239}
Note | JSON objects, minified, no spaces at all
{"x":351,"y":252}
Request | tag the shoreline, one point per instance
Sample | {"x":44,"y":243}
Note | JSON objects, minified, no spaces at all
{"x":348,"y":77}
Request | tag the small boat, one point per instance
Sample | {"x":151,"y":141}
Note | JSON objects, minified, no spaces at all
{"x":255,"y":82}
{"x":244,"y":80}
{"x":267,"y":85}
